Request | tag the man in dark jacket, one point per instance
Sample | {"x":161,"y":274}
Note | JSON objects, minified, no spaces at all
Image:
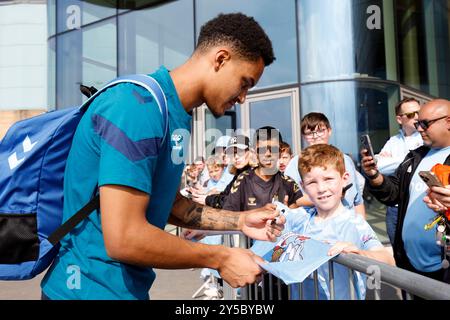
{"x":415,"y":249}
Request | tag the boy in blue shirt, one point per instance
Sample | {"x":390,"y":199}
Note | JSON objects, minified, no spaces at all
{"x":322,"y":170}
{"x":316,"y":129}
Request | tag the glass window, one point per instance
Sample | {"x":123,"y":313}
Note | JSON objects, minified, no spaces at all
{"x":68,"y":69}
{"x":72,"y":14}
{"x":424,"y":45}
{"x":149,"y":38}
{"x":86,"y":56}
{"x":217,"y":127}
{"x":99,"y":53}
{"x":51,"y":17}
{"x":354,"y":108}
{"x":126,"y":5}
{"x":51,"y":74}
{"x":346,"y":39}
{"x":277,"y":18}
{"x":262,"y":114}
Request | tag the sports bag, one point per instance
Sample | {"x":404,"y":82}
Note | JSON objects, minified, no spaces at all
{"x":33,"y":157}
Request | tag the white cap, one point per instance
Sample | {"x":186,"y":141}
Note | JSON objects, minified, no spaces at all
{"x":223,"y":141}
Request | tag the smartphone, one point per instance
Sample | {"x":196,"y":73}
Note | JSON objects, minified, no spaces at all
{"x":366,"y":144}
{"x":430,"y":179}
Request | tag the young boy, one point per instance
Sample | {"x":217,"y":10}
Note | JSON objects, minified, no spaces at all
{"x":255,"y":188}
{"x":316,"y":129}
{"x":216,"y":168}
{"x":323,"y":175}
{"x":285,"y":156}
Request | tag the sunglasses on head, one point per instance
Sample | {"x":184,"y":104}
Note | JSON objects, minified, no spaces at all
{"x":410,"y":115}
{"x":272,"y":149}
{"x":425,"y":124}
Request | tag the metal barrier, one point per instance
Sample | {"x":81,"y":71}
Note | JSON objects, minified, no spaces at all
{"x":410,"y":283}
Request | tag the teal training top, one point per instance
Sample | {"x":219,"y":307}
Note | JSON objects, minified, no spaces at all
{"x":118,"y":142}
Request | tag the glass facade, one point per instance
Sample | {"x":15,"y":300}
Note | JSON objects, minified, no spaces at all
{"x":278,"y":20}
{"x":149,"y":38}
{"x":349,"y":59}
{"x":424,"y":45}
{"x":339,"y":40}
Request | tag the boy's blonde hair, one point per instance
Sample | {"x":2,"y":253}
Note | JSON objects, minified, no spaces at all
{"x":214,"y":162}
{"x":321,"y":155}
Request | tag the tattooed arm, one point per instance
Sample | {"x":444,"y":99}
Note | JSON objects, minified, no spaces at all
{"x":254,"y":223}
{"x":129,"y":238}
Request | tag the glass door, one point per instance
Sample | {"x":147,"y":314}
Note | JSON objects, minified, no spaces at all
{"x":278,"y":109}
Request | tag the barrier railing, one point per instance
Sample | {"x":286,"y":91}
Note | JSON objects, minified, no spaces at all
{"x":377,"y":273}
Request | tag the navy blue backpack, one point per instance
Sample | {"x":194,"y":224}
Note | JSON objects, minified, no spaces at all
{"x":33,"y":157}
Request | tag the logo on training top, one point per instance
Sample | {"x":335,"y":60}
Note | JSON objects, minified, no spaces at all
{"x":177,"y":139}
{"x":27,"y":146}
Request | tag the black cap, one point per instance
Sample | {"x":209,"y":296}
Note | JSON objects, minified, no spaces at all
{"x":239,"y":141}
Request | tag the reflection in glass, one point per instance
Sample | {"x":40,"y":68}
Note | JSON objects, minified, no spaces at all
{"x":354,"y":108}
{"x":224,"y":125}
{"x":326,"y":39}
{"x":346,"y":39}
{"x":126,"y":5}
{"x":273,"y":112}
{"x":51,"y":17}
{"x":277,"y":18}
{"x":424,"y":45}
{"x":94,"y":10}
{"x":68,"y":69}
{"x":99,"y":53}
{"x":72,"y":14}
{"x":51,"y":74}
{"x":150,"y":38}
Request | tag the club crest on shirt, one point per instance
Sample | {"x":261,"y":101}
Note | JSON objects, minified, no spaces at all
{"x":177,"y":142}
{"x":251,"y":201}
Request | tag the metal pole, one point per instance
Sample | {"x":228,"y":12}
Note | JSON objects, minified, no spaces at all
{"x":351,"y":284}
{"x":331,"y":278}
{"x":228,"y":292}
{"x":316,"y":285}
{"x":270,"y":287}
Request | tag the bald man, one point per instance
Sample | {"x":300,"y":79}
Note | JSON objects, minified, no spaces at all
{"x":415,"y":249}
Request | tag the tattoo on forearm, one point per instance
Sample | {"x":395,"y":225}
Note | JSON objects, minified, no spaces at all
{"x":196,"y":216}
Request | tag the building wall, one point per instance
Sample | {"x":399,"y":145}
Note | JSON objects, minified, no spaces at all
{"x":23,"y":56}
{"x":8,"y":117}
{"x":23,"y":61}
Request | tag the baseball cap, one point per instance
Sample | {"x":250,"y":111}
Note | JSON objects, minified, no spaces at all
{"x":222,"y":141}
{"x":240,"y":142}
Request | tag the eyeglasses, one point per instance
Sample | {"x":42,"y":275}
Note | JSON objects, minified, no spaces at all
{"x":425,"y":124}
{"x":315,"y":134}
{"x":272,"y":149}
{"x":410,"y":115}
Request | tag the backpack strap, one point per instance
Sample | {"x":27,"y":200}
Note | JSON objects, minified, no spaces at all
{"x":148,"y":83}
{"x":156,"y":91}
{"x":70,"y":224}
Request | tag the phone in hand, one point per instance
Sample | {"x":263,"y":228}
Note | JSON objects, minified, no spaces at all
{"x":366,"y":144}
{"x":430,"y":179}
